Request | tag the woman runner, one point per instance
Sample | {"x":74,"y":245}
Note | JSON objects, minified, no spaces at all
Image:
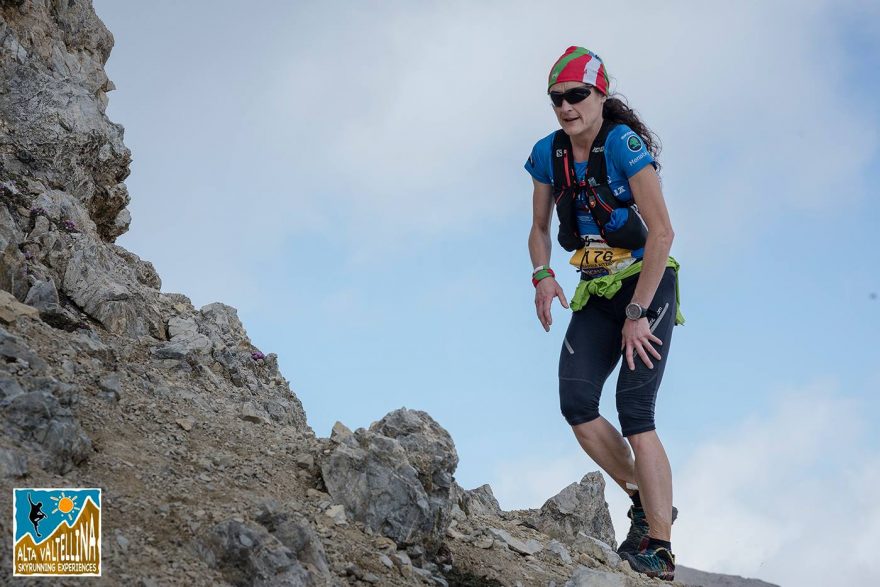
{"x":616,"y":222}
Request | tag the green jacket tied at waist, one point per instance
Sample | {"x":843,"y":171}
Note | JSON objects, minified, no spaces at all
{"x":608,"y":285}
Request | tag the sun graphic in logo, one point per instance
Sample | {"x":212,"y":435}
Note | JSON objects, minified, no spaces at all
{"x":66,"y":505}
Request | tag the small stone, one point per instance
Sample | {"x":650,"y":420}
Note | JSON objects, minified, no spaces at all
{"x":342,"y":435}
{"x":560,"y":549}
{"x":12,"y":464}
{"x":483,"y":542}
{"x":251,"y":412}
{"x":186,"y":423}
{"x":403,"y":563}
{"x":586,"y":577}
{"x":122,"y":541}
{"x":596,"y":549}
{"x":383,"y":558}
{"x":384,"y":544}
{"x":337,"y":514}
{"x":305,"y":460}
{"x":421,"y":573}
{"x":532,"y":546}
{"x":110,"y":383}
{"x":453,"y":533}
{"x":315,"y":494}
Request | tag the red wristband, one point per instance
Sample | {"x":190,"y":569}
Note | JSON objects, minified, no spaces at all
{"x":542,"y":274}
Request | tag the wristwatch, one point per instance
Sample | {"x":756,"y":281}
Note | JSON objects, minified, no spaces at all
{"x":635,"y":311}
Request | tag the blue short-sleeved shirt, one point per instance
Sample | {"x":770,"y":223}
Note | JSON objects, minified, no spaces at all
{"x":625,"y":155}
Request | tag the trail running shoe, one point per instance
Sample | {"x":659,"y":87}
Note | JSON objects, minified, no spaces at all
{"x":657,"y":562}
{"x":637,"y":537}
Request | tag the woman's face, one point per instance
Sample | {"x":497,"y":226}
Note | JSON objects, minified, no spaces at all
{"x":578,"y":118}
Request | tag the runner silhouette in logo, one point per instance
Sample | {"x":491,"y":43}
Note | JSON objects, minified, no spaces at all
{"x":36,"y":514}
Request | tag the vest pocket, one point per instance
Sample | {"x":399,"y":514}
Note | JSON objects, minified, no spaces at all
{"x":626,"y":229}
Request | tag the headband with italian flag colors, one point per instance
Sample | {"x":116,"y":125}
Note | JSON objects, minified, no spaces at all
{"x":580,"y":65}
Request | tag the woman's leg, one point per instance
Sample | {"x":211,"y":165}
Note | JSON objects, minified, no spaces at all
{"x":636,"y":399}
{"x":655,"y":483}
{"x":589,"y":353}
{"x":608,"y":449}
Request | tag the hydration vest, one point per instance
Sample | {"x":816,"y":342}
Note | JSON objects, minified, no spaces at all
{"x":601,"y":201}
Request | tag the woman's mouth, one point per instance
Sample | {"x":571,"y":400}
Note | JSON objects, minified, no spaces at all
{"x":570,"y":119}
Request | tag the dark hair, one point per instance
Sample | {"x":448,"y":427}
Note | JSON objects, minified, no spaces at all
{"x":617,"y":110}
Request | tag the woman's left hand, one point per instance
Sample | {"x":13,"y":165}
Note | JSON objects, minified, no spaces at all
{"x":637,"y":336}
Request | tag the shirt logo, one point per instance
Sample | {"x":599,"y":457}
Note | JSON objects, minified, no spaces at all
{"x":634,"y":144}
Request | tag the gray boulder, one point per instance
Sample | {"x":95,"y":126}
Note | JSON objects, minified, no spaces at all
{"x":480,"y":501}
{"x":39,"y":417}
{"x":580,"y":507}
{"x":295,"y":532}
{"x":247,"y":554}
{"x":13,"y":349}
{"x":52,"y":57}
{"x":396,"y":477}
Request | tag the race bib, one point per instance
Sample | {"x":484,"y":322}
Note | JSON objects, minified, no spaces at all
{"x":597,"y":259}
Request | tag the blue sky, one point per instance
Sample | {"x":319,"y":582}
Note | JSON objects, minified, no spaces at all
{"x":350,"y":178}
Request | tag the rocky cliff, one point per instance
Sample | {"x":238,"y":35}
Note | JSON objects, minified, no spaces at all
{"x":209,"y":471}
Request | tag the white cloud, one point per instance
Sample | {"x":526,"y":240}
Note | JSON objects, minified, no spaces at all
{"x":441,"y":103}
{"x":380,"y":129}
{"x":787,"y":496}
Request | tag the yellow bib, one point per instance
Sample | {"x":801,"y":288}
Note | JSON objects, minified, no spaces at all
{"x":598,"y":258}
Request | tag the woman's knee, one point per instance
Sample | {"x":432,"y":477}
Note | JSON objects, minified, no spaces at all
{"x":578,"y":401}
{"x":640,"y":440}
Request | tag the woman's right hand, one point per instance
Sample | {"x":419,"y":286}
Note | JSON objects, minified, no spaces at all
{"x":545,"y":291}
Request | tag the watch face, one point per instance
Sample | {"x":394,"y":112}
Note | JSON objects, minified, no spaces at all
{"x":633,"y":311}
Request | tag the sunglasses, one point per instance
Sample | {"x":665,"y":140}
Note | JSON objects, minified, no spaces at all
{"x":572,"y":96}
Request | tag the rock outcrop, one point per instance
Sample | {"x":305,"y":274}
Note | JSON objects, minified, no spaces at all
{"x":210,"y":473}
{"x":395,"y":477}
{"x":579,"y":508}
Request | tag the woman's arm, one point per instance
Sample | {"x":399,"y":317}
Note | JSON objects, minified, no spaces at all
{"x":539,"y":236}
{"x":637,"y":336}
{"x":645,"y":186}
{"x":540,"y":248}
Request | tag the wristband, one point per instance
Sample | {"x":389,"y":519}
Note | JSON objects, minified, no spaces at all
{"x":541,"y":273}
